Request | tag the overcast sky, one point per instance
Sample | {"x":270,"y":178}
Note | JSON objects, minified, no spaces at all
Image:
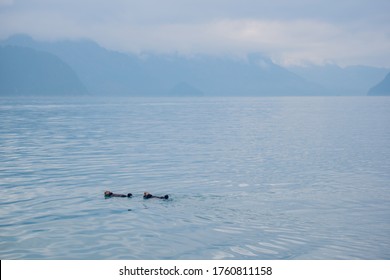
{"x":346,"y":32}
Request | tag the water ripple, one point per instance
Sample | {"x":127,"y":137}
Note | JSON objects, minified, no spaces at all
{"x":248,"y":179}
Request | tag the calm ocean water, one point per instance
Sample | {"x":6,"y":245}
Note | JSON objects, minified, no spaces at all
{"x":249,"y":178}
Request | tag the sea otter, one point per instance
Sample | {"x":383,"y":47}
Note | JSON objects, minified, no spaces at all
{"x":108,"y":194}
{"x":148,"y":195}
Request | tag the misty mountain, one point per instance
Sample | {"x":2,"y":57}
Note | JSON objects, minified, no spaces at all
{"x":382,"y":88}
{"x":25,"y":71}
{"x":108,"y":72}
{"x":352,"y":80}
{"x":184,"y":89}
{"x":102,"y":71}
{"x":255,"y":75}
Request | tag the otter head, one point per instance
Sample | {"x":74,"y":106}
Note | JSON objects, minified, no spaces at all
{"x":108,"y":193}
{"x":147,"y":195}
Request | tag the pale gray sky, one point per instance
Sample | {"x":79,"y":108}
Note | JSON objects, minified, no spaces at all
{"x":346,"y":32}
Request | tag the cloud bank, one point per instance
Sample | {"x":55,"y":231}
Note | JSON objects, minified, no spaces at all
{"x":290,"y":32}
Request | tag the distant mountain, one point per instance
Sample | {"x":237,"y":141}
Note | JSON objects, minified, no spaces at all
{"x":185,"y":89}
{"x":25,"y":71}
{"x":102,"y":71}
{"x":255,"y":75}
{"x":352,"y":80}
{"x":107,"y":72}
{"x":383,"y":88}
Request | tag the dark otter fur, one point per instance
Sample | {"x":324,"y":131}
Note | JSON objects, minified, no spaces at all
{"x":148,"y":195}
{"x":108,"y":194}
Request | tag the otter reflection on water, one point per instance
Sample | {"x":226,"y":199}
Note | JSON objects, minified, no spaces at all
{"x":108,"y":194}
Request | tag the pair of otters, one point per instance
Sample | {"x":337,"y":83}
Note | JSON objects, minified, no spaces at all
{"x":108,"y":194}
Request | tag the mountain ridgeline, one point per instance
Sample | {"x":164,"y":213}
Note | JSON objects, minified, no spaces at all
{"x":24,"y":71}
{"x":348,"y":81}
{"x":80,"y":66}
{"x":382,"y":88}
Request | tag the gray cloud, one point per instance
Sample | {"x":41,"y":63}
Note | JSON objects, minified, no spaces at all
{"x":303,"y":31}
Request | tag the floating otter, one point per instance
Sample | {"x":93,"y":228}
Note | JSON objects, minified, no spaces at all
{"x":108,"y":194}
{"x":148,"y":195}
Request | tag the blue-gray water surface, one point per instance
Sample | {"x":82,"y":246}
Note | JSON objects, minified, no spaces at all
{"x":248,"y":178}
